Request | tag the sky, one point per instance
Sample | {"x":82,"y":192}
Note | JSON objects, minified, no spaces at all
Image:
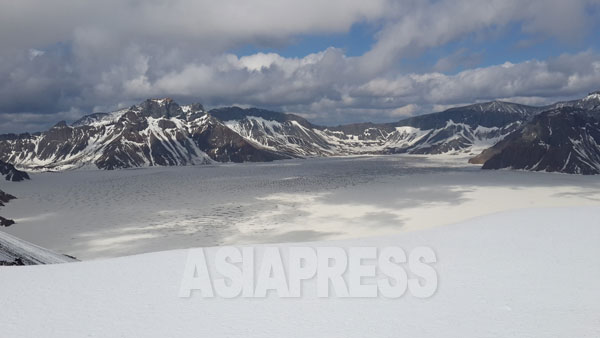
{"x":333,"y":62}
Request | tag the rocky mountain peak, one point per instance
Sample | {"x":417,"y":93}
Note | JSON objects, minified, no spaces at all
{"x":60,"y":125}
{"x":193,"y":111}
{"x":163,"y":101}
{"x":157,"y":108}
{"x":196,"y":107}
{"x":590,"y":102}
{"x":593,"y":96}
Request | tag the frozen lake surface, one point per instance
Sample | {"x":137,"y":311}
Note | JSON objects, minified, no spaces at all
{"x":98,"y":214}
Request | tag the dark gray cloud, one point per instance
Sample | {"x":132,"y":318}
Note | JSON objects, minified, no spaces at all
{"x":63,"y":58}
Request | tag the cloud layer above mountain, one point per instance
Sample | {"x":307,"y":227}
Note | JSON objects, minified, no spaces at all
{"x":63,"y":58}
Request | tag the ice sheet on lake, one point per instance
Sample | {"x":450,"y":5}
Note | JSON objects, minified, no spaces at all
{"x":95,"y":214}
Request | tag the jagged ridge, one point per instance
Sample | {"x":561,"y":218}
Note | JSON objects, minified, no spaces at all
{"x":160,"y":132}
{"x":155,"y":132}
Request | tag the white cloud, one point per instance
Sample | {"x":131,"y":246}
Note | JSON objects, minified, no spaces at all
{"x":221,"y":23}
{"x":430,"y":24}
{"x":33,"y":53}
{"x":459,"y":58}
{"x":79,"y":56}
{"x":405,"y":111}
{"x":563,"y":76}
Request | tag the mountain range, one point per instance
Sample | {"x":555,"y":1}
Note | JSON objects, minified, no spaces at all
{"x":563,"y":137}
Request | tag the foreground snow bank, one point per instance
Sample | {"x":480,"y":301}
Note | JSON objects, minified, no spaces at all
{"x":527,"y":273}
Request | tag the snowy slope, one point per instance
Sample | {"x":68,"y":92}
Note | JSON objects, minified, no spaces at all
{"x":289,"y":137}
{"x":12,"y":248}
{"x":529,"y":273}
{"x":295,"y":139}
{"x":451,"y":138}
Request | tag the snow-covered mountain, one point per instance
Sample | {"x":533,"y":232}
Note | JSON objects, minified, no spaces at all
{"x":590,"y":102}
{"x":287,"y":134}
{"x":159,"y":132}
{"x":155,"y":132}
{"x":564,"y":139}
{"x":465,"y":129}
